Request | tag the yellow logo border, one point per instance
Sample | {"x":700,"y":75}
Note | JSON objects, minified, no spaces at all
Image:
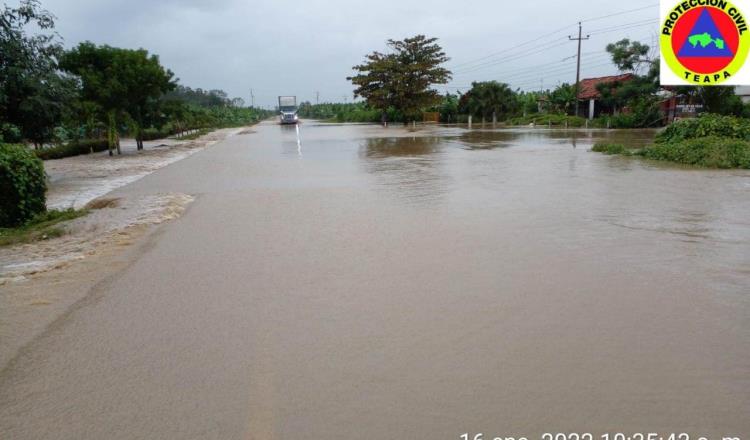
{"x":670,"y":57}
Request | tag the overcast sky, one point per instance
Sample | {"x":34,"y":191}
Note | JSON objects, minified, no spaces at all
{"x":296,"y":47}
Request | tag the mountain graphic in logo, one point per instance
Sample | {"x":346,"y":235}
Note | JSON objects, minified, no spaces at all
{"x":705,"y":39}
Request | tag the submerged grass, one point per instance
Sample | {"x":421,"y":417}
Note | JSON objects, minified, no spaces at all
{"x":708,"y":152}
{"x":42,"y":227}
{"x":607,"y":148}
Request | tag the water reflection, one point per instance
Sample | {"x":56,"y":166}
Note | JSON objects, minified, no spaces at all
{"x":401,"y":146}
{"x":490,"y":139}
{"x":409,"y":168}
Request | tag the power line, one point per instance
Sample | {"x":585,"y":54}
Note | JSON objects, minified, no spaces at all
{"x":510,"y":58}
{"x":556,"y":31}
{"x":533,"y":71}
{"x":519,"y":55}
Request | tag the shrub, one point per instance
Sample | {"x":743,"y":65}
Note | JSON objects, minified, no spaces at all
{"x":606,"y":148}
{"x":152,"y":133}
{"x":74,"y":148}
{"x":707,"y":124}
{"x":712,"y":152}
{"x":23,"y":185}
{"x":622,"y":120}
{"x":10,"y":133}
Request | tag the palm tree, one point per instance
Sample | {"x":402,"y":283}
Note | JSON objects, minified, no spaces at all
{"x":492,"y":98}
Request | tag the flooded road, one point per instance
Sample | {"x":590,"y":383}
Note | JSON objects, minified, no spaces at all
{"x":349,"y":281}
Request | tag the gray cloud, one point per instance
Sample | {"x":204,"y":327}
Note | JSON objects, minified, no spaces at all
{"x":300,"y":47}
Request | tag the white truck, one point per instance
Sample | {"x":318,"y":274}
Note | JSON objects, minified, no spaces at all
{"x":288,"y":109}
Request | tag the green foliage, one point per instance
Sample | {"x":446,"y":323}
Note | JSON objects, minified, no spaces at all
{"x":153,"y":133}
{"x":644,"y":113}
{"x":628,"y":55}
{"x":73,"y":148}
{"x":9,"y":133}
{"x":351,"y":112}
{"x":563,"y":98}
{"x":126,"y":84}
{"x":403,"y":79}
{"x":607,"y":148}
{"x":721,"y":100}
{"x":448,"y":108}
{"x":529,"y":102}
{"x":22,"y":185}
{"x":42,"y":227}
{"x":706,"y":125}
{"x":637,"y":95}
{"x":711,"y":151}
{"x":199,"y":97}
{"x":487,"y":98}
{"x":33,"y":94}
{"x":712,"y":141}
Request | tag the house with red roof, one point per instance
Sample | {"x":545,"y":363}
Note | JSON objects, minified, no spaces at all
{"x":589,"y":97}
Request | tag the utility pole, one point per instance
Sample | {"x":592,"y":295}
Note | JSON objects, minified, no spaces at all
{"x":317,"y":98}
{"x":578,"y":60}
{"x":252,"y":97}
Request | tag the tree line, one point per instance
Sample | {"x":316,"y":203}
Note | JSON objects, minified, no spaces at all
{"x":52,"y":95}
{"x":399,"y":85}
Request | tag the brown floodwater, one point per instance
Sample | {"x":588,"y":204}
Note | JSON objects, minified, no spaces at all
{"x":348,"y":281}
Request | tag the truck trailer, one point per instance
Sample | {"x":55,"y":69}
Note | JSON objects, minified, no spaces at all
{"x":288,"y":109}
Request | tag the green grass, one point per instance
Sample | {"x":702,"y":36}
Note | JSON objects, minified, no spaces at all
{"x":607,"y":148}
{"x":74,"y":148}
{"x":42,"y":227}
{"x":707,"y":152}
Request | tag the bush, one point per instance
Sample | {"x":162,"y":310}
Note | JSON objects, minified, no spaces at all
{"x":152,"y":133}
{"x":707,"y":124}
{"x":74,"y":148}
{"x":712,"y":152}
{"x":9,"y":133}
{"x":602,"y":147}
{"x":23,"y":185}
{"x":622,"y":120}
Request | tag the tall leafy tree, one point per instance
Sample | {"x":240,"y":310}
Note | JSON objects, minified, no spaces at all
{"x":639,"y":93}
{"x":125,"y":84}
{"x":491,"y":99}
{"x":33,"y":93}
{"x":403,"y":78}
{"x":144,"y":81}
{"x":563,"y":98}
{"x":628,"y":55}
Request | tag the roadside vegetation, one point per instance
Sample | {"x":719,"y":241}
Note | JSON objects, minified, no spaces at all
{"x":43,"y":226}
{"x":78,"y":101}
{"x":23,"y":213}
{"x":23,"y":183}
{"x":70,"y":102}
{"x":712,"y":141}
{"x":635,"y":103}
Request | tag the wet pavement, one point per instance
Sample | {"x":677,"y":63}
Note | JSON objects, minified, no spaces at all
{"x":349,"y":281}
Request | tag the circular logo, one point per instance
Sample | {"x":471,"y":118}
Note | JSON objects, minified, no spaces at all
{"x":705,"y":42}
